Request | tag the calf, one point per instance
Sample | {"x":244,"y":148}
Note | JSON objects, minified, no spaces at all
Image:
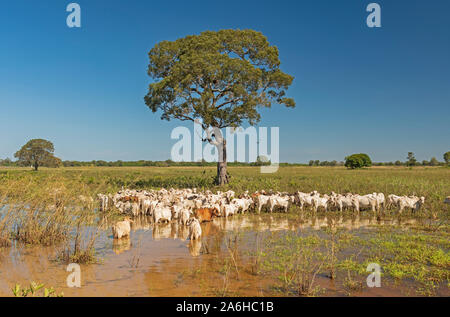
{"x":122,"y":228}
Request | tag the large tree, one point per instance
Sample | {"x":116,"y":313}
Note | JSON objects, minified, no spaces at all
{"x":37,"y":152}
{"x":219,"y":79}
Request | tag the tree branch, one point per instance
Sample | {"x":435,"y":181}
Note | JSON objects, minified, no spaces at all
{"x":228,"y":102}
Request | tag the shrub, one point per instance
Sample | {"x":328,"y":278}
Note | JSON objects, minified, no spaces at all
{"x":358,"y":161}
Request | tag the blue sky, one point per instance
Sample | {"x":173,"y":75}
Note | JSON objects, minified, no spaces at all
{"x":381,"y":91}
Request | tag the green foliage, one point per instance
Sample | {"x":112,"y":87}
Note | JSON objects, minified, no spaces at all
{"x":410,"y":159}
{"x":296,"y":260}
{"x":33,"y":290}
{"x":358,"y":161}
{"x":434,"y":162}
{"x":447,"y":157}
{"x":220,"y":77}
{"x":37,"y":152}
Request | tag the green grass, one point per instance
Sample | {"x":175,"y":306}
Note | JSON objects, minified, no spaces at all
{"x":430,"y":182}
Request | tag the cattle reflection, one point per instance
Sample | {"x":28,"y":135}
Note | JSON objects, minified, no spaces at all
{"x":195,"y":247}
{"x":161,"y":231}
{"x":254,"y":223}
{"x":183,"y":232}
{"x":121,"y":245}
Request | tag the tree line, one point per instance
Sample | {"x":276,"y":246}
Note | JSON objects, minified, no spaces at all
{"x":39,"y":152}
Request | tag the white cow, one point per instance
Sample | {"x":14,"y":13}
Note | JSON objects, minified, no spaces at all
{"x":304,"y":200}
{"x":261,"y":201}
{"x":162,"y":213}
{"x":279,"y":201}
{"x":415,"y":203}
{"x":184,"y":216}
{"x":243,"y":204}
{"x":341,"y":201}
{"x":318,"y":202}
{"x":122,"y":228}
{"x":195,"y":230}
{"x":393,"y":200}
{"x":363,"y":202}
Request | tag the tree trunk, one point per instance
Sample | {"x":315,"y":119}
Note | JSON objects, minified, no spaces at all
{"x":222,"y":176}
{"x":36,"y":166}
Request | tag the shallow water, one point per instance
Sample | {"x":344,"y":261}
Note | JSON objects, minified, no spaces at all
{"x":158,"y":260}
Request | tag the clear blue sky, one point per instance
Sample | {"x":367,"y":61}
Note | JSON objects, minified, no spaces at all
{"x":380,"y":91}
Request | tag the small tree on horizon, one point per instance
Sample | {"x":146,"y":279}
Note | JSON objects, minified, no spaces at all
{"x":218,"y":79}
{"x":447,"y":157}
{"x":410,"y":159}
{"x":36,"y":153}
{"x":434,"y":162}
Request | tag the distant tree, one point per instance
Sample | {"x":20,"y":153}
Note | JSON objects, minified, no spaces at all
{"x":425,"y":163}
{"x":53,"y":162}
{"x":434,"y":162}
{"x":311,"y":163}
{"x":262,"y":160}
{"x":354,"y":161}
{"x":333,"y":163}
{"x":6,"y":162}
{"x":398,"y":163}
{"x":36,"y":153}
{"x":219,"y":79}
{"x":410,"y":159}
{"x":316,"y":163}
{"x":447,"y":157}
{"x":366,"y":159}
{"x":358,"y":161}
{"x":324,"y":163}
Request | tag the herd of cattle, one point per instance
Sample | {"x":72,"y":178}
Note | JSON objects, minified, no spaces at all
{"x":191,"y":207}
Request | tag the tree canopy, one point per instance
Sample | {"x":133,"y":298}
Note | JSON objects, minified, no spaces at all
{"x":219,"y":77}
{"x":447,"y":157}
{"x":38,"y":152}
{"x":358,"y":161}
{"x":411,"y":159}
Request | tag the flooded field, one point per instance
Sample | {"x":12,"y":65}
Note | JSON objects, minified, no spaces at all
{"x":298,"y":253}
{"x":158,"y":260}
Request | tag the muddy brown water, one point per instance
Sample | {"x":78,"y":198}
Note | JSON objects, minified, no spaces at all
{"x":157,"y":260}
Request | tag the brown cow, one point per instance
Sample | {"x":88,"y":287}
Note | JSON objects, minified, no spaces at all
{"x":206,"y":214}
{"x":129,"y":198}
